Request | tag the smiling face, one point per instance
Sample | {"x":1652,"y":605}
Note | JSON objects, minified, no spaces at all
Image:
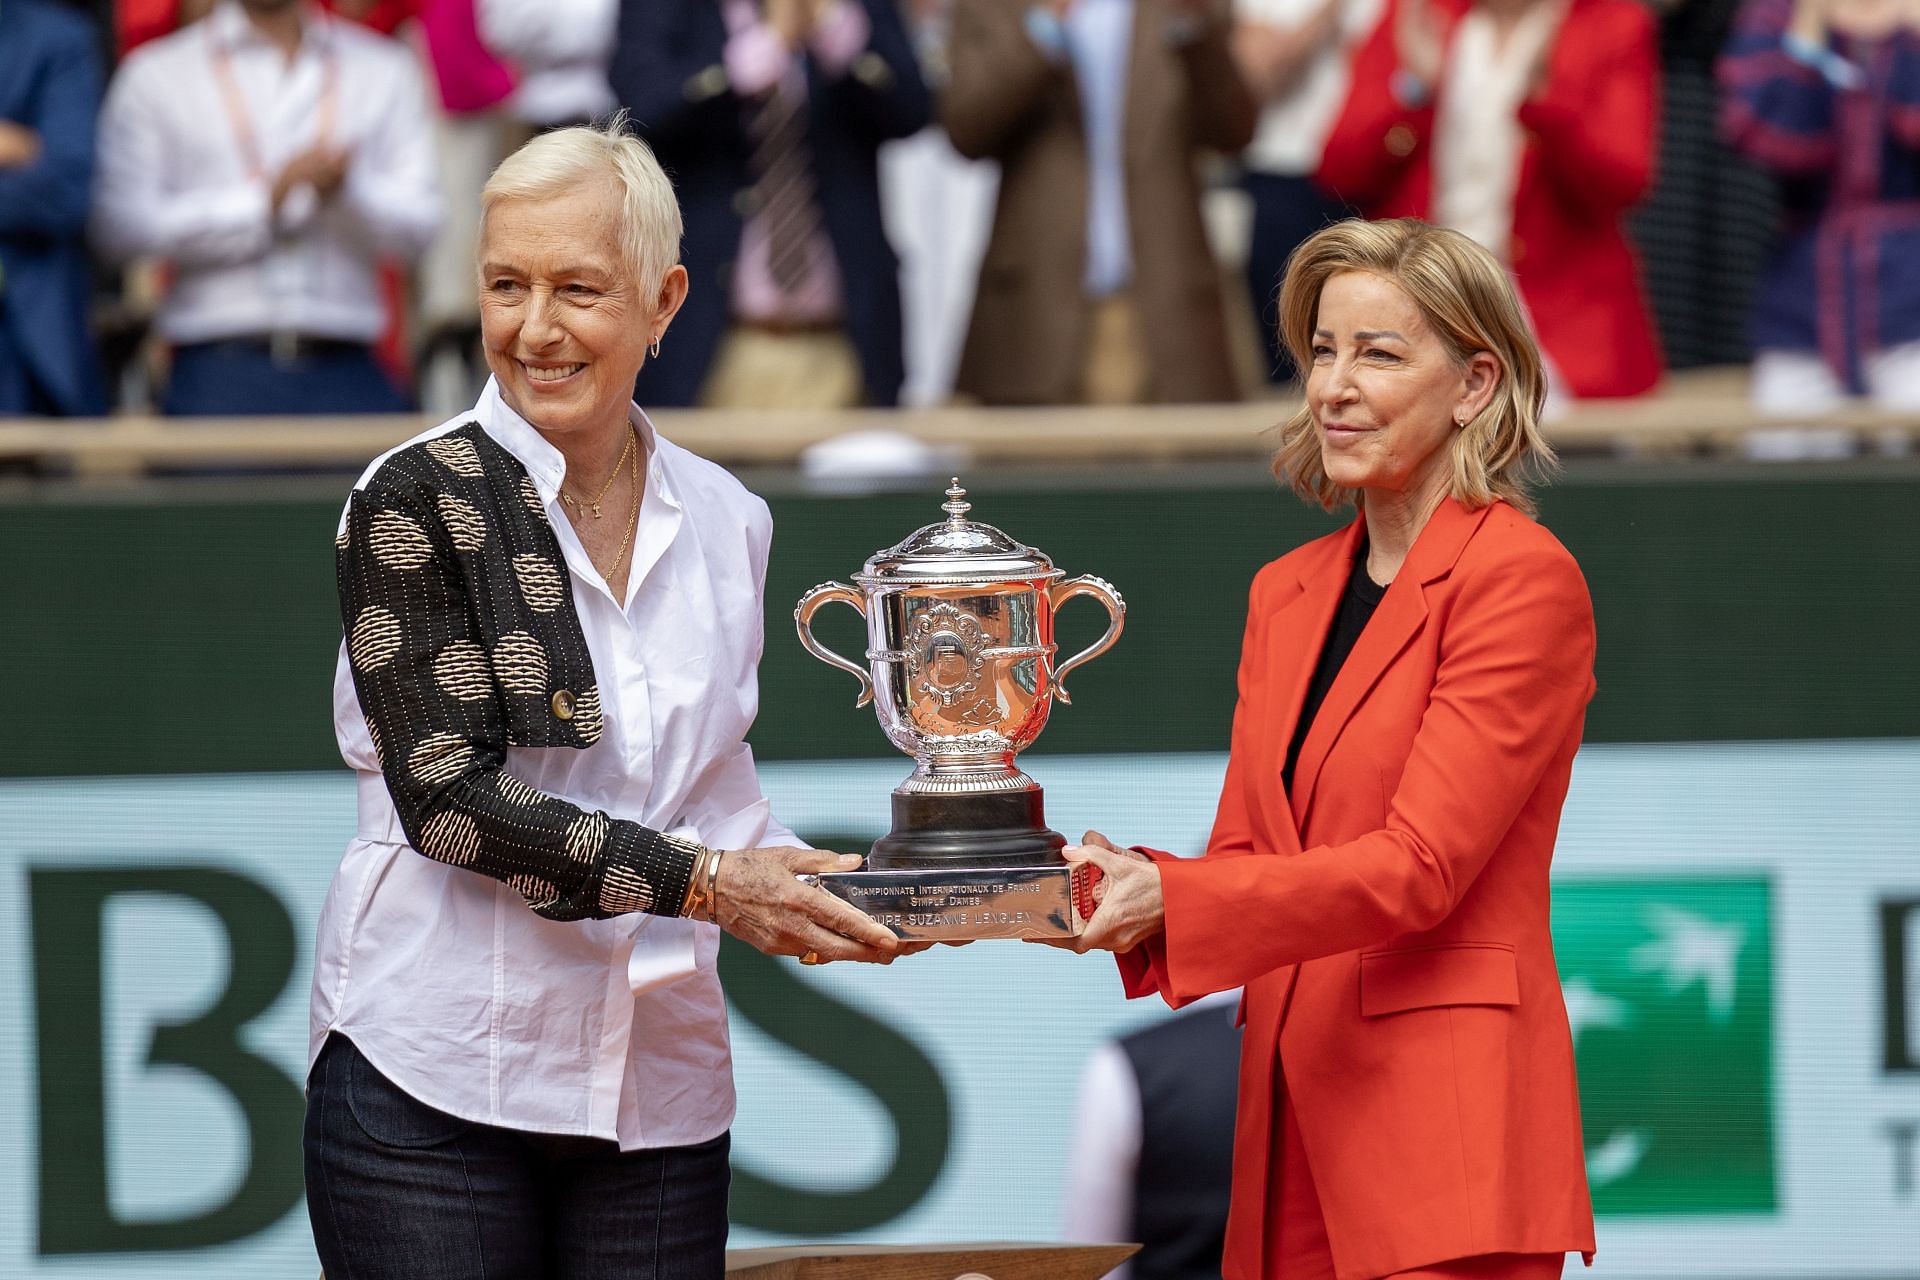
{"x":1385,"y":391}
{"x":564,"y":323}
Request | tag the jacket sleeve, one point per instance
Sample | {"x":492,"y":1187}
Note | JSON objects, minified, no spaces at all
{"x":882,"y":95}
{"x":997,"y":77}
{"x":429,"y":691}
{"x":1903,"y":88}
{"x":1775,"y":108}
{"x":1143,"y":971}
{"x":1224,"y":112}
{"x":1595,"y":131}
{"x":1375,"y":137}
{"x":391,"y":200}
{"x":669,"y":75}
{"x":49,"y":196}
{"x":1515,"y":676}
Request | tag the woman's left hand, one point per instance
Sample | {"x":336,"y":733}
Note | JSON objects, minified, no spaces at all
{"x":1131,"y":909}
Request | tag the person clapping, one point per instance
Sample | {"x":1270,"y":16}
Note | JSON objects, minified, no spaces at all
{"x":273,"y":157}
{"x":1826,"y":95}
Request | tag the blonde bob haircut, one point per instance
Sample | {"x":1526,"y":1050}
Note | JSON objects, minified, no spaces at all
{"x":1466,"y":298}
{"x":566,"y":160}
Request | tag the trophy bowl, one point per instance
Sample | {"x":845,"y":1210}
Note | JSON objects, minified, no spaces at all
{"x":961,"y":671}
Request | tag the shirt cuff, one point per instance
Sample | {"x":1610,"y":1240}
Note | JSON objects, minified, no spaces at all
{"x":755,"y":59}
{"x":1048,"y":33}
{"x":644,"y":870}
{"x":241,"y":215}
{"x":1836,"y":69}
{"x":296,"y":211}
{"x":1409,"y":90}
{"x":839,"y":37}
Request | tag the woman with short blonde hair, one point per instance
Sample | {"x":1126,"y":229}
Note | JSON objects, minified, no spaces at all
{"x":551,"y":623}
{"x":1412,"y":691}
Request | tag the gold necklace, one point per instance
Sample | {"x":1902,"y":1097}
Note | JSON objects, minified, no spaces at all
{"x":633,"y":519}
{"x":581,"y":507}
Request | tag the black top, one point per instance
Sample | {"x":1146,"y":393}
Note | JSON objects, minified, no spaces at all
{"x":1356,"y":606}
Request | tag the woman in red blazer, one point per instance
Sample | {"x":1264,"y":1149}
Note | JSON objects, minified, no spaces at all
{"x":1412,"y":691}
{"x":1415,"y":141}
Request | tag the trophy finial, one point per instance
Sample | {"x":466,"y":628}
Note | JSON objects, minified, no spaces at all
{"x":956,"y":506}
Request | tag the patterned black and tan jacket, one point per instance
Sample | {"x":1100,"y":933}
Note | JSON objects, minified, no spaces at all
{"x":463,"y":640}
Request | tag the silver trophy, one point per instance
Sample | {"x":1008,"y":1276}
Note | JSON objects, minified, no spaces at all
{"x":960,"y":664}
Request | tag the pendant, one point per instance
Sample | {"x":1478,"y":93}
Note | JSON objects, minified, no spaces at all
{"x":596,"y":510}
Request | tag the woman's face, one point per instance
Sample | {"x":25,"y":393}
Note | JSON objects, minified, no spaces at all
{"x":1384,"y":390}
{"x":562,"y":318}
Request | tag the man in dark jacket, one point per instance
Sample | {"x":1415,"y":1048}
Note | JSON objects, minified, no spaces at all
{"x":767,"y":115}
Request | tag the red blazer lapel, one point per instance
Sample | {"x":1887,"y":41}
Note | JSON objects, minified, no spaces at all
{"x":1401,"y":615}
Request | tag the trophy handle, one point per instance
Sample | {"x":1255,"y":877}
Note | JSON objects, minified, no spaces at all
{"x":830,"y":593}
{"x":1102,"y":590}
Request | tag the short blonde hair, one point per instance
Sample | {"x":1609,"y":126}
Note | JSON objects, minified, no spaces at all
{"x":1468,"y":301}
{"x":564,"y":160}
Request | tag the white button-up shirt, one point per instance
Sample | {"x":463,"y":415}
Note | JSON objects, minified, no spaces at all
{"x":186,"y":172}
{"x":445,"y":979}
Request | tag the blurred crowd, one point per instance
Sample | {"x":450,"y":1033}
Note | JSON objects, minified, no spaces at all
{"x":266,"y":206}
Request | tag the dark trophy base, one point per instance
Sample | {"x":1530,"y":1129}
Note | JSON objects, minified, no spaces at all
{"x":968,"y":865}
{"x":967,"y":829}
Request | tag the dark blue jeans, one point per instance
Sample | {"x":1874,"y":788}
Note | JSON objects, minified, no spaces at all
{"x":397,"y":1189}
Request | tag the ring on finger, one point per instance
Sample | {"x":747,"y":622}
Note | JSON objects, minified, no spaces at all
{"x":812,"y":957}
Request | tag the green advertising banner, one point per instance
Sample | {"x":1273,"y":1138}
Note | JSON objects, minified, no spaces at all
{"x":1737,"y":904}
{"x":1669,"y":993}
{"x":1729,"y":962}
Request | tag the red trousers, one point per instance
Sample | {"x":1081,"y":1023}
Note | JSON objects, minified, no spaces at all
{"x":1297,"y":1248}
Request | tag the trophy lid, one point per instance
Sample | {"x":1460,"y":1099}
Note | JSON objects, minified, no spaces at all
{"x":956,"y":549}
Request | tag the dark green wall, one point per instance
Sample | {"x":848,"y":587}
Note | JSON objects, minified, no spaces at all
{"x":191,"y":627}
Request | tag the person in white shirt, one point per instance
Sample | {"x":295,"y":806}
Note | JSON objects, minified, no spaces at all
{"x":273,"y":156}
{"x":552,"y":620}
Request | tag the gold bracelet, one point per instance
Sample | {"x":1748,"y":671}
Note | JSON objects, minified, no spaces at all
{"x":712,"y":894}
{"x":690,"y":904}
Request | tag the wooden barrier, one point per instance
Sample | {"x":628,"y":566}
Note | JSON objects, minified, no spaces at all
{"x":1704,"y":411}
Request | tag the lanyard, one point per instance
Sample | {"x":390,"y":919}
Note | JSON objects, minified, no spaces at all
{"x":236,"y":103}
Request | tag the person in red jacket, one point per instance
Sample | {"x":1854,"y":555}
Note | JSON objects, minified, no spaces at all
{"x":1529,"y":125}
{"x":1412,"y":691}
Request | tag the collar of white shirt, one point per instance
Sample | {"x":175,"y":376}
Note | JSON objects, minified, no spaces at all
{"x":546,"y":464}
{"x":660,"y":507}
